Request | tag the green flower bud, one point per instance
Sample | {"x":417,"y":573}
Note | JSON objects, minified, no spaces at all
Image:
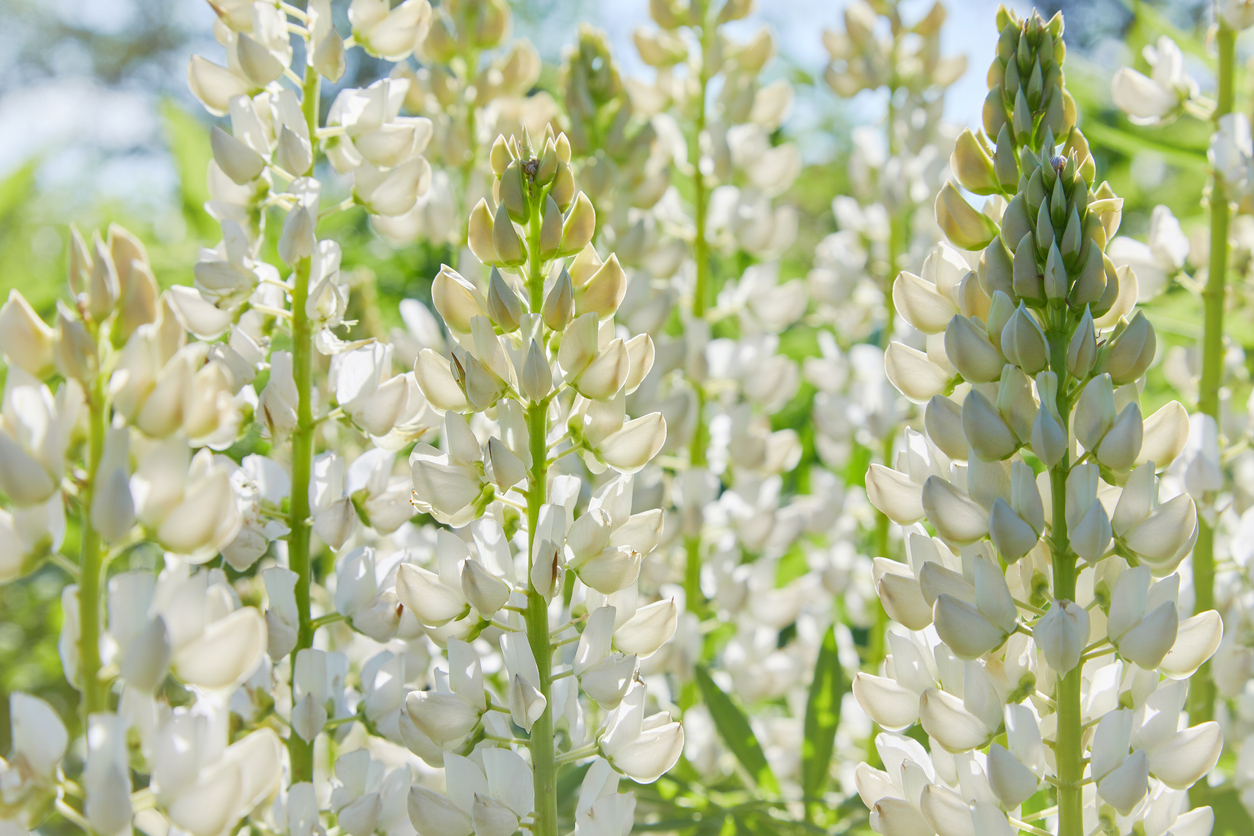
{"x":962,"y":224}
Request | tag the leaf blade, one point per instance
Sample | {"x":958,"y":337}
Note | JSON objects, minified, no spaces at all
{"x":733,"y":727}
{"x":822,"y":716}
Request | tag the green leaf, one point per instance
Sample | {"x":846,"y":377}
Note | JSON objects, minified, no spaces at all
{"x":1126,"y":142}
{"x":733,"y":726}
{"x":822,"y":717}
{"x":188,"y":140}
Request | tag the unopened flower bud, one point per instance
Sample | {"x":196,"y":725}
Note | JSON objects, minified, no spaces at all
{"x":550,"y":230}
{"x":499,"y":157}
{"x":24,"y":338}
{"x":1062,"y":634}
{"x":505,"y":239}
{"x":1132,"y":350}
{"x":240,"y":162}
{"x":328,"y":58}
{"x":1055,"y":275}
{"x":1121,"y":445}
{"x":971,"y":352}
{"x":1095,"y":412}
{"x":507,"y":469}
{"x":964,"y":629}
{"x":1023,"y":342}
{"x":973,"y":166}
{"x":966,"y":227}
{"x":479,"y":233}
{"x":504,"y":307}
{"x":563,"y":189}
{"x":955,"y":516}
{"x":513,"y":195}
{"x":579,"y":226}
{"x":486,"y":592}
{"x":559,"y":305}
{"x":989,"y":436}
{"x":1082,"y":350}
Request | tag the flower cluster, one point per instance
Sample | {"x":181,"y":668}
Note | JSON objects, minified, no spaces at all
{"x":1045,"y":603}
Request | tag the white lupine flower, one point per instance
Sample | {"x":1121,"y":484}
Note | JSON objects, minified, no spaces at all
{"x":1150,"y":100}
{"x":640,"y":747}
{"x":1232,"y":154}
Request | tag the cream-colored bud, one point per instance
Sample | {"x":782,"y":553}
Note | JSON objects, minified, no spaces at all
{"x":1011,"y":781}
{"x":1132,"y":350}
{"x":640,"y":351}
{"x":479,"y":235}
{"x":1095,"y":412}
{"x":900,"y":594}
{"x":955,"y":516}
{"x":1023,"y":342}
{"x":504,"y":307}
{"x":24,"y":338}
{"x":507,"y":469}
{"x":1121,"y":445}
{"x":293,"y":152}
{"x":505,"y":239}
{"x":921,"y":304}
{"x":1055,"y":275}
{"x":603,"y":292}
{"x":547,"y":167}
{"x":986,"y":431}
{"x":971,"y":352}
{"x":578,"y":227}
{"x":942,"y":418}
{"x":914,"y":375}
{"x":239,"y":162}
{"x":1049,"y":436}
{"x":894,"y":495}
{"x":537,"y":377}
{"x":485,"y":592}
{"x":559,"y":305}
{"x":605,"y":376}
{"x":513,"y":195}
{"x":1149,"y":640}
{"x":328,"y":57}
{"x":885,"y":701}
{"x":550,"y":230}
{"x":74,"y":351}
{"x":499,"y":156}
{"x":1082,"y":350}
{"x":964,"y":629}
{"x":966,"y":227}
{"x":1062,"y":634}
{"x":563,"y":189}
{"x":1027,"y":280}
{"x":973,"y":166}
{"x":457,"y":299}
{"x":1011,"y":535}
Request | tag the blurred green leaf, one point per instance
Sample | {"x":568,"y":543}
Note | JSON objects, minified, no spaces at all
{"x":189,"y":146}
{"x":822,"y":717}
{"x":733,"y":726}
{"x":1131,"y":143}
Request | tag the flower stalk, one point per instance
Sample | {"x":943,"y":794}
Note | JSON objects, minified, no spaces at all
{"x":1202,"y":692}
{"x":300,"y":559}
{"x":92,"y":564}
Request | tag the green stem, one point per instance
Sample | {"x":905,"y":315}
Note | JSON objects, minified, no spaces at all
{"x":536,"y":618}
{"x":1069,"y":743}
{"x":693,"y":597}
{"x":95,"y":696}
{"x":300,"y":752}
{"x":1202,"y":688}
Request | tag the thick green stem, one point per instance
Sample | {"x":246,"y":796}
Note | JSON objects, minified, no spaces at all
{"x":1069,"y":740}
{"x":95,"y":696}
{"x":300,"y":752}
{"x":1202,"y":688}
{"x":536,"y":618}
{"x":543,"y":754}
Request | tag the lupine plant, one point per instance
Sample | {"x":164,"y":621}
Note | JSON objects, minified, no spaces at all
{"x":1040,"y":609}
{"x":559,"y":554}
